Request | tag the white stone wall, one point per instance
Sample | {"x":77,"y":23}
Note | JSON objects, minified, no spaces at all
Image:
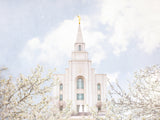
{"x":80,"y":65}
{"x":81,"y":68}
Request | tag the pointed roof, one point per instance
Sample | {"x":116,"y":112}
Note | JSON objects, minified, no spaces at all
{"x":79,"y":35}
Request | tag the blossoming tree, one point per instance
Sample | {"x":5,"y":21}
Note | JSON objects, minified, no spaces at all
{"x":141,"y":100}
{"x":29,"y":97}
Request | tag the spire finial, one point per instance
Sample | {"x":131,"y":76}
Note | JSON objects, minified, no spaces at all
{"x":79,"y":18}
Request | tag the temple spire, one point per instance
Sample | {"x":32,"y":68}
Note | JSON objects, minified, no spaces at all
{"x":79,"y":18}
{"x":79,"y":34}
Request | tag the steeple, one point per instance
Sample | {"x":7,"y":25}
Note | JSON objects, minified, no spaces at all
{"x":79,"y":44}
{"x":79,"y":38}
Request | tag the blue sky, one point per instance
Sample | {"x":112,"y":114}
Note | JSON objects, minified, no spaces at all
{"x":121,"y":36}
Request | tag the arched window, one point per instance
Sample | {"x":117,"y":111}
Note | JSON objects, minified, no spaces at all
{"x":80,"y":83}
{"x":61,"y":86}
{"x":79,"y":47}
{"x":98,"y":86}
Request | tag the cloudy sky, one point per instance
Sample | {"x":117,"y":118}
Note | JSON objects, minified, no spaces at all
{"x":121,"y":36}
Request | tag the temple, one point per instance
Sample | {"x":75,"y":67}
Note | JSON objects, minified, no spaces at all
{"x":80,"y":84}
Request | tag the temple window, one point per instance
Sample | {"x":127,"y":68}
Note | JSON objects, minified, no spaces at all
{"x":60,"y":97}
{"x":79,"y":46}
{"x":61,"y":86}
{"x":98,"y":86}
{"x":99,"y":97}
{"x":80,"y":83}
{"x":80,"y":96}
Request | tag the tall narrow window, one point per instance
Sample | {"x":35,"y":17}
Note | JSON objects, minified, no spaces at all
{"x":99,"y":97}
{"x":61,"y":86}
{"x":98,"y":86}
{"x":61,"y":108}
{"x":80,"y":83}
{"x":99,"y":109}
{"x":82,"y":108}
{"x":60,"y":97}
{"x":78,"y":106}
{"x":79,"y":47}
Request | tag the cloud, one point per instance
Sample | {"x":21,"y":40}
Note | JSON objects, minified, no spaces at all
{"x":113,"y":77}
{"x":130,"y":19}
{"x":94,"y":41}
{"x":53,"y":47}
{"x":58,"y":44}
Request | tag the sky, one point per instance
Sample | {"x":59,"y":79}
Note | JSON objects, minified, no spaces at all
{"x":121,"y":36}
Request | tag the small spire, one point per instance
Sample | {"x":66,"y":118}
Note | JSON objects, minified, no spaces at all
{"x":79,"y":45}
{"x":79,"y":18}
{"x":79,"y":35}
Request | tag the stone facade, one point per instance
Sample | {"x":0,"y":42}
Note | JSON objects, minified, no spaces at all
{"x":80,"y":84}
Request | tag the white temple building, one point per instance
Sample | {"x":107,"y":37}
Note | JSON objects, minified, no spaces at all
{"x":80,"y":84}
